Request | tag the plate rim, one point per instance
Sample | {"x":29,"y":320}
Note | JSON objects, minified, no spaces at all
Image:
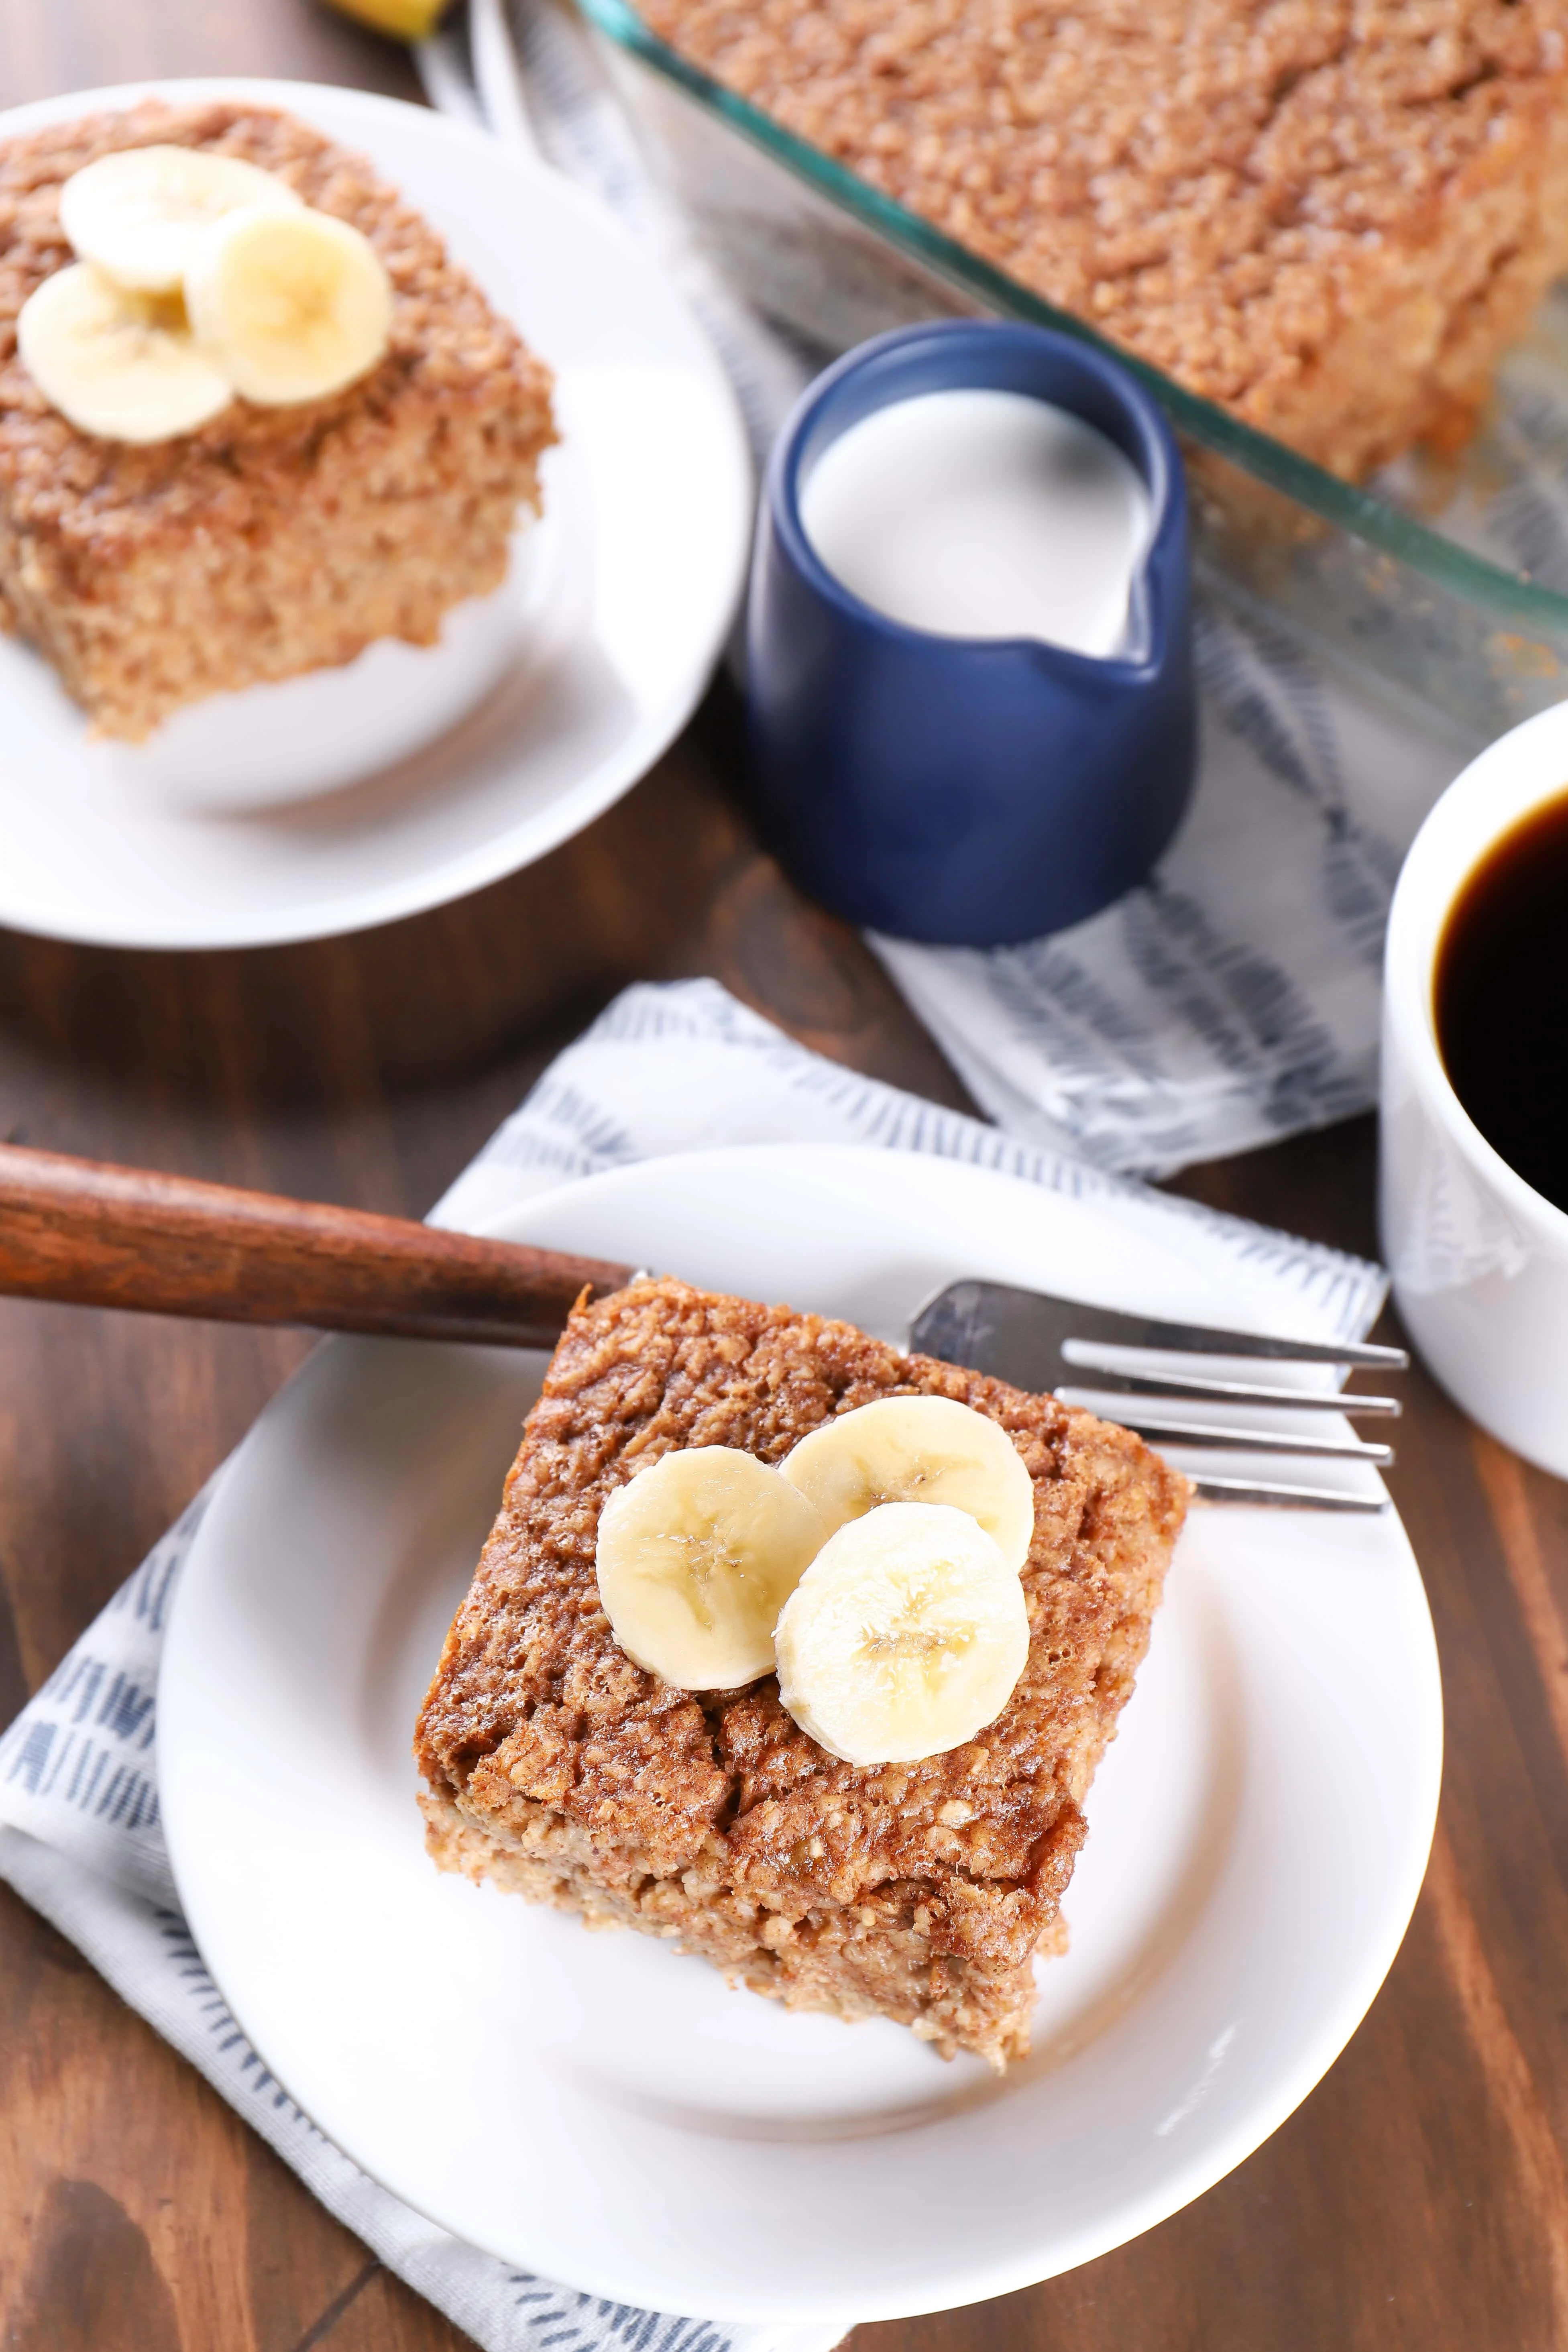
{"x":433,"y":885}
{"x":1291,"y":2081}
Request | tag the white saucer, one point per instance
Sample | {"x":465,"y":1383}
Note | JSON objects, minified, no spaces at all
{"x":354,"y":796}
{"x":603,"y":2110}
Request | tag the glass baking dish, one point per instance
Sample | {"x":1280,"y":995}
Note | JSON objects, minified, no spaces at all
{"x":1448,"y":582}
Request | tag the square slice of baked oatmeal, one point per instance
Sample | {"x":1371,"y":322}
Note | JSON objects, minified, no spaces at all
{"x":557,"y":1768}
{"x":272,"y":540}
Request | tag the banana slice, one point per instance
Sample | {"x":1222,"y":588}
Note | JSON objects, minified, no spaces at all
{"x":696,"y":1558}
{"x":905,"y":1636}
{"x":291,"y":305}
{"x":918,"y":1449}
{"x":137,"y":214}
{"x":116,"y":363}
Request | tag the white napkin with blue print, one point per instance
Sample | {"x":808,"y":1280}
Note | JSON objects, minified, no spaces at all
{"x":1236,"y":998}
{"x":663,"y":1069}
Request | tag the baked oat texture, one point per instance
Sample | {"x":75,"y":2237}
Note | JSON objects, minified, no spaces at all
{"x":274,"y":540}
{"x":556,"y":1767}
{"x":1328,"y":215}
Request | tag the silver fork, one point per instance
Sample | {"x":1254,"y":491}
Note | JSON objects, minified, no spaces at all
{"x":1143,"y":1368}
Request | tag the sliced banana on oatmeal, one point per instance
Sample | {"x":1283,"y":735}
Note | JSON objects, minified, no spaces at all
{"x":118,"y":364}
{"x":136,"y":215}
{"x":906,"y":1635}
{"x":291,"y":305}
{"x":918,"y":1449}
{"x":696,"y":1557}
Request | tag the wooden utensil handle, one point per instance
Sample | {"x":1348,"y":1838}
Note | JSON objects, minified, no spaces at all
{"x":83,"y":1230}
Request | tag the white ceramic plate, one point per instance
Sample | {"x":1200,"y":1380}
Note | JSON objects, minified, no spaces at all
{"x":600,"y":2108}
{"x":354,"y":796}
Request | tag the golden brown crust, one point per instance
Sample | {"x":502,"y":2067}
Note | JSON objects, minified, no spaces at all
{"x":1328,"y":215}
{"x":713,"y":1816}
{"x":274,"y":540}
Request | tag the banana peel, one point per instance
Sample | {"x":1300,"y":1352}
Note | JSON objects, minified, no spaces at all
{"x":400,"y":20}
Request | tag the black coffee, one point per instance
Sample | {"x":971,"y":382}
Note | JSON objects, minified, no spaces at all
{"x":1502,"y":999}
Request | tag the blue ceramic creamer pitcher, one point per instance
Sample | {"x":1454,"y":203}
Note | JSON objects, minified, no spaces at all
{"x":966,"y":789}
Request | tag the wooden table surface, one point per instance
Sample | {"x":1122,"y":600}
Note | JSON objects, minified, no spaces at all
{"x":1418,"y":2199}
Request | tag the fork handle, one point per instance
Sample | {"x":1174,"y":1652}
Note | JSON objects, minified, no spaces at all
{"x":97,"y":1235}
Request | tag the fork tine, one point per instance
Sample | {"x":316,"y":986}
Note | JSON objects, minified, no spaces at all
{"x":1292,"y":1498}
{"x":1020,"y":1335}
{"x":1120,"y":1382}
{"x":1158,"y":1422}
{"x":1204,"y":1339}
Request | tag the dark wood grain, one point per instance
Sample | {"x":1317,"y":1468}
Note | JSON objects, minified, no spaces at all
{"x":1416,"y":2202}
{"x":86,"y":1232}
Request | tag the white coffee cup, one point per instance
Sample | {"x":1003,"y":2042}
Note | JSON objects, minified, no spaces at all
{"x":1479,"y":1258}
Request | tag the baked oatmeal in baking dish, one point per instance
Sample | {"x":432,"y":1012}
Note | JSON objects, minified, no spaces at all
{"x":1329,"y":217}
{"x":272,"y":529}
{"x":917,"y":1887}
